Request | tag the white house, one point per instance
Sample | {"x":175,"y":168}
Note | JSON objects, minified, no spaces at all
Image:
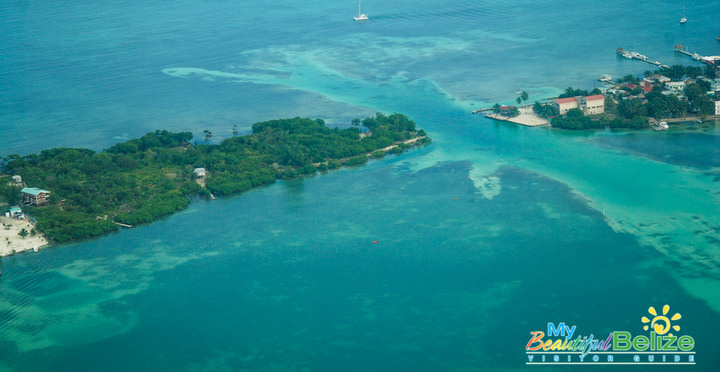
{"x":715,"y":85}
{"x":675,"y":86}
{"x":717,"y":107}
{"x":200,"y":172}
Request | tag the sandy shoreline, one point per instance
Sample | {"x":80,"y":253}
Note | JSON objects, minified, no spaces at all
{"x":11,"y":242}
{"x":527,"y":117}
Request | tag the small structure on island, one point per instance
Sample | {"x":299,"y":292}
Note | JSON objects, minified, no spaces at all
{"x":508,"y":110}
{"x":15,"y":212}
{"x":589,"y":105}
{"x":16,"y":179}
{"x":717,"y":107}
{"x":200,"y":172}
{"x":34,"y":196}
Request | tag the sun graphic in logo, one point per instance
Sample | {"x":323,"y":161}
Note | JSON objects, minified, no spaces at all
{"x":661,"y":324}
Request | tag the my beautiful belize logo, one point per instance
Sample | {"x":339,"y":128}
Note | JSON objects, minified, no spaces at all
{"x":660,"y":346}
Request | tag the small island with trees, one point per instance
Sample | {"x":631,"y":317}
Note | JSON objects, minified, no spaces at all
{"x":144,"y":179}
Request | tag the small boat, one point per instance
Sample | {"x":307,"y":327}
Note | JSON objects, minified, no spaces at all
{"x":683,"y":19}
{"x":361,"y":16}
{"x":661,"y":126}
{"x":375,"y":241}
{"x":605,"y":78}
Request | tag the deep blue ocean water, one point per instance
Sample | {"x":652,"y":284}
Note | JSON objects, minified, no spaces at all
{"x":484,"y":236}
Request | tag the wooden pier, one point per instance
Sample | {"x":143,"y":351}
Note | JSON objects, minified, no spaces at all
{"x":640,"y":57}
{"x":695,"y":56}
{"x":481,"y":110}
{"x":679,"y":49}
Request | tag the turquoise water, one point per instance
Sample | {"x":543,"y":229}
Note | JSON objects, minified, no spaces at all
{"x":485,"y":235}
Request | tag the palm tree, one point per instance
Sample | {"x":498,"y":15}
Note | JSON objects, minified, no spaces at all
{"x":524,"y":96}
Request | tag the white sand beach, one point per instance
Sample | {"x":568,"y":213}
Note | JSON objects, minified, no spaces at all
{"x":11,"y":242}
{"x":527,"y":117}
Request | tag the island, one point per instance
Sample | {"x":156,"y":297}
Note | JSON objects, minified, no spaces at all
{"x":673,"y":94}
{"x":74,"y":194}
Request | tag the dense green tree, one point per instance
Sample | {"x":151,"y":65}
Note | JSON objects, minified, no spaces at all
{"x":630,"y":108}
{"x":630,"y":79}
{"x":144,"y":179}
{"x":693,"y":71}
{"x":710,"y":71}
{"x":675,"y":72}
{"x":545,"y":111}
{"x":664,"y":106}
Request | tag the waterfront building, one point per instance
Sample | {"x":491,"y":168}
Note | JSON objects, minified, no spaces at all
{"x":717,"y":107}
{"x":589,"y":105}
{"x":15,"y":212}
{"x":566,"y":104}
{"x":593,"y":105}
{"x":657,"y":78}
{"x":507,"y":110}
{"x":34,"y":196}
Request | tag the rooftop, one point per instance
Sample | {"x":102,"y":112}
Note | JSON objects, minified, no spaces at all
{"x":565,"y":100}
{"x":595,"y":97}
{"x":33,"y":190}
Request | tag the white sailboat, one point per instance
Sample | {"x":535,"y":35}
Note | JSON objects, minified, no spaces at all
{"x":683,"y":19}
{"x":361,"y":16}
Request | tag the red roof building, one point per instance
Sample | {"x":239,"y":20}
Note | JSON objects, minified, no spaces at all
{"x":590,"y":105}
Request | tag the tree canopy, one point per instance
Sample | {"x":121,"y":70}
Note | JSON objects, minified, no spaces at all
{"x":144,"y":179}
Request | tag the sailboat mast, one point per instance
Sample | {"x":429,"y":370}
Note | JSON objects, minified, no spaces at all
{"x":359,"y":2}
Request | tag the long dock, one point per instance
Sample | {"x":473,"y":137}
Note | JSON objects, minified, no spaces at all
{"x":640,"y":57}
{"x":481,"y":110}
{"x":694,"y":56}
{"x":697,"y":57}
